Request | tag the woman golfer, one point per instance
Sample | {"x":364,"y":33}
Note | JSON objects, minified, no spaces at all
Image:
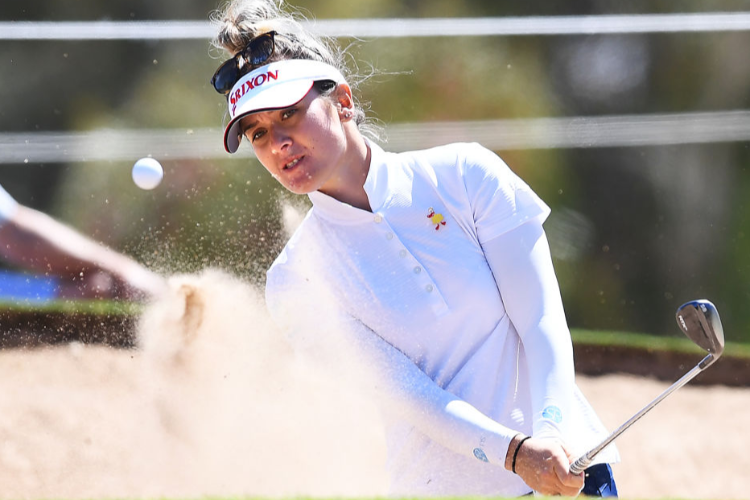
{"x":436,"y":260}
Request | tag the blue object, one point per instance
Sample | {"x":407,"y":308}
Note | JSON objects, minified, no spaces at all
{"x":599,"y":481}
{"x":479,"y":453}
{"x":553,"y":413}
{"x":16,"y":286}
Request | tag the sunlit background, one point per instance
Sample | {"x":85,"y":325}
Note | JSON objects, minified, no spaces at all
{"x":630,"y":119}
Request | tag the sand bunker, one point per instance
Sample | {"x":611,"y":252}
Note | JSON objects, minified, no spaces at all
{"x":693,"y":445}
{"x":215,"y":402}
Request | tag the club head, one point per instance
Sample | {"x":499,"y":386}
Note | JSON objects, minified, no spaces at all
{"x":700,"y":321}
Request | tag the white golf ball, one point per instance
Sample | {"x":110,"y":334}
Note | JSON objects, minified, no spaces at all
{"x":147,"y":173}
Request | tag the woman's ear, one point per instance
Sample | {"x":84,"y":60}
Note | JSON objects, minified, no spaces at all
{"x":344,"y":101}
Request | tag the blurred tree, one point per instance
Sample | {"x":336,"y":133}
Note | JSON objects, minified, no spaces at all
{"x":634,"y":231}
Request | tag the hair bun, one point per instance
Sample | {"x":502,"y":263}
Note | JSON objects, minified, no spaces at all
{"x":242,"y":20}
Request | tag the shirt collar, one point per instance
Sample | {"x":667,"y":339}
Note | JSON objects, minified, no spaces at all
{"x":375,"y":187}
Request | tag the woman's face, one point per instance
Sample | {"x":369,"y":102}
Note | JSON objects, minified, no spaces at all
{"x":302,"y":146}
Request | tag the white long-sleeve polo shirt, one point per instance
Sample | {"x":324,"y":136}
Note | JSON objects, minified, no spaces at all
{"x":415,"y":277}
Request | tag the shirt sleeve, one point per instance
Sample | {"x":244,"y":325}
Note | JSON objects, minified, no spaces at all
{"x":522,"y":266}
{"x":8,"y":206}
{"x":401,"y":389}
{"x":500,"y":200}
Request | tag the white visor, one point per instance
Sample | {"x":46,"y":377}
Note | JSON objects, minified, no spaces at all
{"x":275,"y":86}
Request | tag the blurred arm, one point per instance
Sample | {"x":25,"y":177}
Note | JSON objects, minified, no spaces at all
{"x":32,"y":240}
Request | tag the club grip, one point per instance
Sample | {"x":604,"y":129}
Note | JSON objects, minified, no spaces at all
{"x":580,"y":465}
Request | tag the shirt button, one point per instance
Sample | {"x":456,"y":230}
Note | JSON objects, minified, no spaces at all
{"x":402,"y":253}
{"x":417,"y":270}
{"x":429,"y":288}
{"x":378,"y":219}
{"x":389,"y":236}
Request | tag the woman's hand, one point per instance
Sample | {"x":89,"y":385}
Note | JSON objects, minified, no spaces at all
{"x":544,"y":466}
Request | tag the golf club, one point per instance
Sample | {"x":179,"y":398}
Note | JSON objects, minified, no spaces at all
{"x":700,"y":321}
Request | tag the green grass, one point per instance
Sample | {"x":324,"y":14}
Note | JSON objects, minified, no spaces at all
{"x":93,"y":307}
{"x":650,"y":342}
{"x":582,"y":337}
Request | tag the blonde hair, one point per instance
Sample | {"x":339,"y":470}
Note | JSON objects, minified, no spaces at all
{"x":239,"y":21}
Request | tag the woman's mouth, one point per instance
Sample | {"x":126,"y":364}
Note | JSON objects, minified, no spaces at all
{"x":293,"y":163}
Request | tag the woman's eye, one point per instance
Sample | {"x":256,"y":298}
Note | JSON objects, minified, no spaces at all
{"x":288,"y":113}
{"x":257,"y":135}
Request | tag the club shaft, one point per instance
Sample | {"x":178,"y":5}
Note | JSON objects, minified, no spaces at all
{"x":584,"y":461}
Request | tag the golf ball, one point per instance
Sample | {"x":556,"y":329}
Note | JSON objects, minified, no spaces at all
{"x":147,"y":173}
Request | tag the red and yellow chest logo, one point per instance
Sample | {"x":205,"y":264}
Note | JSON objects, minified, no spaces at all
{"x":436,"y":219}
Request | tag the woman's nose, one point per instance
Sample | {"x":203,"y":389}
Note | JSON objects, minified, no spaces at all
{"x":280,"y":140}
